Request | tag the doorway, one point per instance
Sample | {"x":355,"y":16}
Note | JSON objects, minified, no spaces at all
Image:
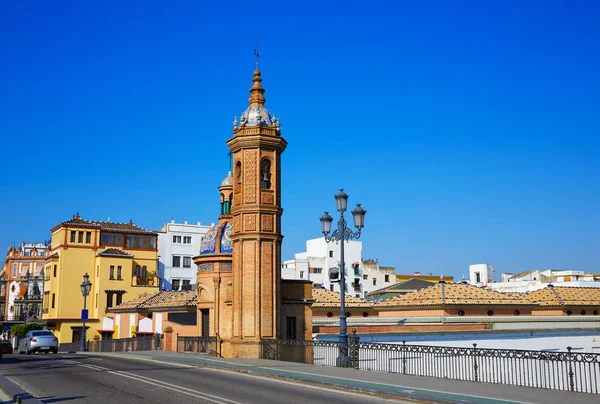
{"x":205,"y":322}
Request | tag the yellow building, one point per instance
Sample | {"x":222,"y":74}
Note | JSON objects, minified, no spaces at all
{"x":121,"y":260}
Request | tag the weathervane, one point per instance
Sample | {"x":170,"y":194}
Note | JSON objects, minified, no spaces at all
{"x":256,"y":53}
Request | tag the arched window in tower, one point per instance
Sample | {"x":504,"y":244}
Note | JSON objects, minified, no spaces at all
{"x":265,"y":174}
{"x":222,"y":204}
{"x":238,"y":174}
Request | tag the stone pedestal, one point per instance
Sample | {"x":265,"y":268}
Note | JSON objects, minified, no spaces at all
{"x":241,"y":348}
{"x":169,"y":346}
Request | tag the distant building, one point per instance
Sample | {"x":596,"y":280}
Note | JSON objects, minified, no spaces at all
{"x":177,"y":244}
{"x":321,"y":258}
{"x":375,"y":277}
{"x":481,"y":274}
{"x":22,"y":282}
{"x":535,"y":279}
{"x":430,"y":277}
{"x":397,"y":289}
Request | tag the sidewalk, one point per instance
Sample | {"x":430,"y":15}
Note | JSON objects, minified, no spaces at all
{"x":425,"y":389}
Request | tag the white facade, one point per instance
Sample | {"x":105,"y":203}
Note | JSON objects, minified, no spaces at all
{"x":177,"y":244}
{"x":375,"y":277}
{"x":531,"y":280}
{"x":481,"y":274}
{"x":320,"y":257}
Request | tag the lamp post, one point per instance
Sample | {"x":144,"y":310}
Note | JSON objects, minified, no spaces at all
{"x":343,"y":233}
{"x":86,"y":286}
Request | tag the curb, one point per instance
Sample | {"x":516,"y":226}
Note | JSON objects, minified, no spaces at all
{"x":17,"y":394}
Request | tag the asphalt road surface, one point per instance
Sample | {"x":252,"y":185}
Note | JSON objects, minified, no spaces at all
{"x":89,"y":379}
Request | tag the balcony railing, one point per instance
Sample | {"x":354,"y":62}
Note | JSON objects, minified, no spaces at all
{"x":141,"y":281}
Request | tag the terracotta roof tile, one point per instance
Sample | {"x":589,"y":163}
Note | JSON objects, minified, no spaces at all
{"x":115,"y":252}
{"x":453,"y":294}
{"x":162,"y":299}
{"x":566,"y":296}
{"x":327,"y":298}
{"x":108,"y":226}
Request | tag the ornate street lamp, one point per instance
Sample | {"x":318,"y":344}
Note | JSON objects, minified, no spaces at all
{"x":86,"y":286}
{"x":343,"y":233}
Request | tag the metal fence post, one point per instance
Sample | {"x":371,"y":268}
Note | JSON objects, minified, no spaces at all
{"x":177,"y":343}
{"x":475,"y":362}
{"x":404,"y":357}
{"x":571,"y":374}
{"x":354,"y":350}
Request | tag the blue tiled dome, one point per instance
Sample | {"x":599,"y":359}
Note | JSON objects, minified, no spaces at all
{"x":221,"y":232}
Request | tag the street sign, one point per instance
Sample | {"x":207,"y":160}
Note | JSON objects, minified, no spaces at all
{"x":7,"y":328}
{"x":84,"y":314}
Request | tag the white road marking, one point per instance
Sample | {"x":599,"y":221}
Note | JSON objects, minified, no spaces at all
{"x":85,"y":365}
{"x":297,"y":383}
{"x":157,"y":383}
{"x":174,"y":387}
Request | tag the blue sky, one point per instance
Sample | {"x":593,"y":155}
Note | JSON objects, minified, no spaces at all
{"x":469,"y":131}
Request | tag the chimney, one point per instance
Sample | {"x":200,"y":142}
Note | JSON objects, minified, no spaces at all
{"x":417,"y":273}
{"x":108,"y":219}
{"x":172,"y":220}
{"x":197,"y":223}
{"x":185,"y":221}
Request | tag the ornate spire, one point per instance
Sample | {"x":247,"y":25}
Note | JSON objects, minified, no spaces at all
{"x":257,"y":99}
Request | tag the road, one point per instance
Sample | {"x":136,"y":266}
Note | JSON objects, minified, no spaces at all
{"x":90,"y":379}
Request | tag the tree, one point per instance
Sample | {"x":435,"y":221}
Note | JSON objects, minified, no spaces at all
{"x":20,"y":330}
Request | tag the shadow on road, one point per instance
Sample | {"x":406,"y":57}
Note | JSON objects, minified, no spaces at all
{"x":22,"y":359}
{"x":52,"y":399}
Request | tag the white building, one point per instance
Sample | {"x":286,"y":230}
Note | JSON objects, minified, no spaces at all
{"x":375,"y":277}
{"x":481,"y":274}
{"x":177,"y":244}
{"x":321,"y":258}
{"x":534,"y":279}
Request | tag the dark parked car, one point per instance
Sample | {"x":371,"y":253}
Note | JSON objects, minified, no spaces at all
{"x":5,"y":347}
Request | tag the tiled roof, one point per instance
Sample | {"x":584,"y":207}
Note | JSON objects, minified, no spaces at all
{"x":123,"y":227}
{"x":115,"y":252}
{"x":566,"y":296}
{"x":163,"y":299}
{"x":76,"y":221}
{"x":327,"y":298}
{"x":522,"y":274}
{"x":403,"y":286}
{"x":453,"y":294}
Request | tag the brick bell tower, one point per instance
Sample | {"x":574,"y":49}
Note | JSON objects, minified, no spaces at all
{"x":256,"y":147}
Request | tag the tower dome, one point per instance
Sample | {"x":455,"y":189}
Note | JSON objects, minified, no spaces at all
{"x":257,"y":114}
{"x":217,"y":239}
{"x":228,"y":181}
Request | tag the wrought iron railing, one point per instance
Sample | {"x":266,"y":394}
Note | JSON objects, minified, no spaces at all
{"x":154,"y":342}
{"x":565,"y":370}
{"x":138,"y":343}
{"x":206,"y":345}
{"x":72,"y":346}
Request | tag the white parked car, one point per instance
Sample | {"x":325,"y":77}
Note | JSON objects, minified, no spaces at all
{"x":38,"y":341}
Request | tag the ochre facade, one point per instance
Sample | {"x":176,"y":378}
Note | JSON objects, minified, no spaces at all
{"x":121,"y":260}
